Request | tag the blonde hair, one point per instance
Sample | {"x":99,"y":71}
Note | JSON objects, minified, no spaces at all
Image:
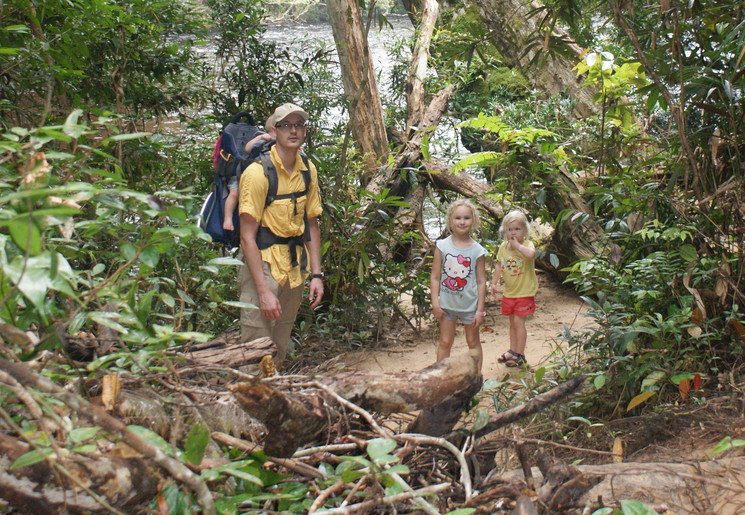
{"x":515,"y":216}
{"x":474,"y":212}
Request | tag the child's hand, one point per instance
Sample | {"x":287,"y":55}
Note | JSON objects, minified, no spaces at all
{"x":478,"y":319}
{"x":438,"y":312}
{"x":514,"y":244}
{"x":493,"y":289}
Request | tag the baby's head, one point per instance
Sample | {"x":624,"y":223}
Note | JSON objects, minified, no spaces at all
{"x":463,"y":203}
{"x":515,"y":216}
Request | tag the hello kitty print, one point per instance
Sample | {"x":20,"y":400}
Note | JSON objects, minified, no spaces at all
{"x":459,"y":288}
{"x":457,"y":269}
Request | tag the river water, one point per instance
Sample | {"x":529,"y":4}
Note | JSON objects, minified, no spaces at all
{"x":302,"y":38}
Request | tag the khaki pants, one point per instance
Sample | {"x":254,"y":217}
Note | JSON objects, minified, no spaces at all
{"x":253,"y":323}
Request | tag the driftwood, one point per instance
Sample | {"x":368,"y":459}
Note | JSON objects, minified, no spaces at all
{"x":441,"y":418}
{"x":293,"y":420}
{"x":714,"y":486}
{"x":223,"y":351}
{"x":85,"y":484}
{"x":27,"y":378}
{"x":289,"y":422}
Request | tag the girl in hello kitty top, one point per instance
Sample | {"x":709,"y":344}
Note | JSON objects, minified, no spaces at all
{"x":458,"y":279}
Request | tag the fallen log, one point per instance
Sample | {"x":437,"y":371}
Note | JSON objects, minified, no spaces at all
{"x":75,"y":484}
{"x":713,"y":486}
{"x":293,"y":420}
{"x":404,"y":392}
{"x":30,"y":379}
{"x":289,"y":422}
{"x":441,"y":418}
{"x":224,"y":351}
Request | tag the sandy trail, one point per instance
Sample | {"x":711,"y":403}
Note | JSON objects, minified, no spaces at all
{"x":556,"y":306}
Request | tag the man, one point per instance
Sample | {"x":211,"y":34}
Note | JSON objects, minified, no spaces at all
{"x":276,"y":263}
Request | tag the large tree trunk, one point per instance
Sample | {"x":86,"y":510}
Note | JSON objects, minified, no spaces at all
{"x":358,"y":76}
{"x":418,"y":64}
{"x":518,"y":30}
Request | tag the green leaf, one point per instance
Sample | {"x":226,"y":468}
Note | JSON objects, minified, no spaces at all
{"x":145,"y":305}
{"x":631,"y":507}
{"x":489,"y":384}
{"x":351,"y":475}
{"x":398,"y":469}
{"x":82,"y":434}
{"x":225,"y":261}
{"x":394,"y":489}
{"x":151,"y":437}
{"x":150,"y":256}
{"x":26,"y":235}
{"x":85,"y":449}
{"x":30,"y":458}
{"x":379,"y":447}
{"x":124,"y":137}
{"x":196,"y":443}
{"x":461,"y":511}
{"x":653,"y":378}
{"x":167,"y":299}
{"x":599,"y":381}
{"x":688,"y":252}
{"x":678,"y":378}
{"x":245,"y":476}
{"x":726,"y":444}
{"x":481,"y":418}
{"x":128,"y":251}
{"x":539,"y":374}
{"x":238,"y":304}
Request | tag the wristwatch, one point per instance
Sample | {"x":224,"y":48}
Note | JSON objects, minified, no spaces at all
{"x":317,"y":276}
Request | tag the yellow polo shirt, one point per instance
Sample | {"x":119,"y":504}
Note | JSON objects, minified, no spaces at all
{"x":283,"y":217}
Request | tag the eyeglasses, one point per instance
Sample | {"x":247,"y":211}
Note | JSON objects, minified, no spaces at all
{"x":287,"y":126}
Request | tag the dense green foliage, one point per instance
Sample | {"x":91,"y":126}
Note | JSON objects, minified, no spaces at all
{"x":661,"y":167}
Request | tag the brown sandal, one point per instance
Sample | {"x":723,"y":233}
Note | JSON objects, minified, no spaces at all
{"x":517,"y":361}
{"x":507,"y":356}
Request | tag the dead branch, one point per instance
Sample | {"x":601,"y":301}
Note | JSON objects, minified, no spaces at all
{"x":99,"y":417}
{"x":85,"y":484}
{"x":222,"y":352}
{"x":535,"y":405}
{"x":290,"y":464}
{"x":368,"y":505}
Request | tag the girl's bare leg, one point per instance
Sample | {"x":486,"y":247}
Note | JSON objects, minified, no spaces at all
{"x":518,"y":334}
{"x":447,"y":337}
{"x":474,"y":342}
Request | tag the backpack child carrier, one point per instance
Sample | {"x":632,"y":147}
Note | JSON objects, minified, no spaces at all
{"x":230,"y":159}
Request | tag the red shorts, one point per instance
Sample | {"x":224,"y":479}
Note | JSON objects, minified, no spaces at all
{"x":519,"y":306}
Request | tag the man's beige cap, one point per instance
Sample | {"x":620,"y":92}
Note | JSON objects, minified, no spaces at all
{"x":283,"y":112}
